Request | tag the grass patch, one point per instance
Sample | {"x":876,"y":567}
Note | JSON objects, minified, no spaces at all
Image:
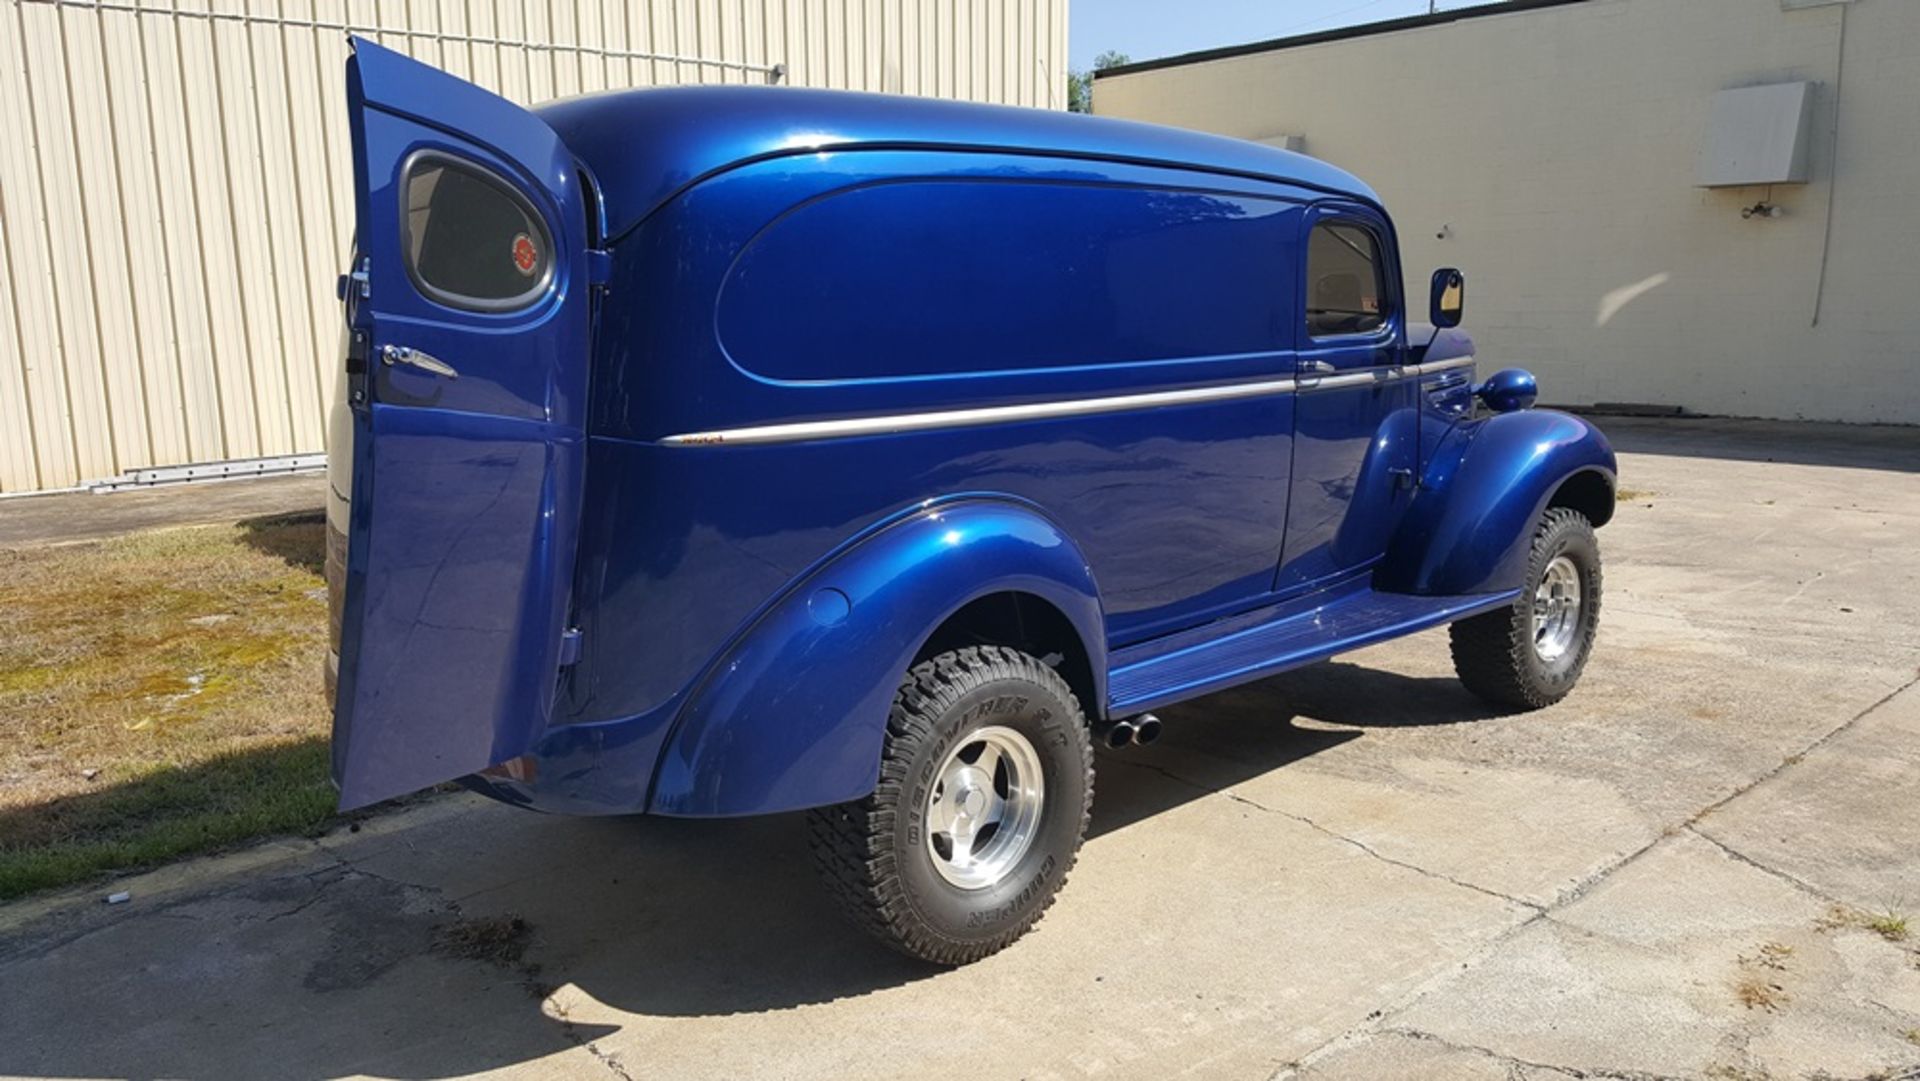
{"x":160,"y":695}
{"x":1890,"y":925}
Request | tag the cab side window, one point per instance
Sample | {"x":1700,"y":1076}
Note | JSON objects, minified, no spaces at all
{"x":1346,"y":291}
{"x":470,"y":240}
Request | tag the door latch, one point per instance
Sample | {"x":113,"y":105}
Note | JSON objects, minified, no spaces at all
{"x":358,"y":283}
{"x":599,"y":267}
{"x":426,"y":362}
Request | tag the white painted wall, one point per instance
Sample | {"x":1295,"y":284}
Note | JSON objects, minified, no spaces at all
{"x":175,"y":198}
{"x":1559,"y":147}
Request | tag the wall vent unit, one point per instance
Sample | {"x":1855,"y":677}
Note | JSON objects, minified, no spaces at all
{"x":1757,"y":135}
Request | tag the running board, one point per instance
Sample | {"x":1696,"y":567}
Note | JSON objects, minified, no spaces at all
{"x":1144,"y":677}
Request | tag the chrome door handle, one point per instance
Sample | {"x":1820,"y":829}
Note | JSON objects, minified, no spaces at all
{"x":426,"y":362}
{"x":1317,"y":367}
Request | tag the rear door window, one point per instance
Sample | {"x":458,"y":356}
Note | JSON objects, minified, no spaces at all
{"x":1346,"y":291}
{"x":470,"y":240}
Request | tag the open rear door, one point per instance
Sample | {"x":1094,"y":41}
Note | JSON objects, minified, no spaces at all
{"x":467,"y":318}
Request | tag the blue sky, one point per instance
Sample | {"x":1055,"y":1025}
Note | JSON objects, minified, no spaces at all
{"x":1145,"y":29}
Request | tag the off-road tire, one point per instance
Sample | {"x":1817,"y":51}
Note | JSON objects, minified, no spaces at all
{"x":873,"y":853}
{"x":1494,"y":653}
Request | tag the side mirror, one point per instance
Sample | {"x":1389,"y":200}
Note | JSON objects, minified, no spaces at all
{"x":1448,"y":299}
{"x":1509,"y":389}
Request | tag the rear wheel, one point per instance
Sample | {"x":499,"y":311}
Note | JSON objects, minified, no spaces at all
{"x":986,"y":784}
{"x":1531,"y":654}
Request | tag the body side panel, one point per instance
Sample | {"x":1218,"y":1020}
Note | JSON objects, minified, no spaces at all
{"x":682,"y":544}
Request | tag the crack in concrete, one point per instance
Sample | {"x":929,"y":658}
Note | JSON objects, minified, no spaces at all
{"x":1585,"y":1073}
{"x":1794,"y":759}
{"x":1584,"y":886}
{"x":342,"y":863}
{"x":1894,"y":1014}
{"x":319,"y":894}
{"x":1738,"y":856}
{"x":608,"y":1059}
{"x":169,"y":908}
{"x":1335,"y":834}
{"x":325,"y":878}
{"x":102,"y":923}
{"x":605,"y":1058}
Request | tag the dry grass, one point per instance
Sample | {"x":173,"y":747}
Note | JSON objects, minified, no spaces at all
{"x":1755,"y":991}
{"x":159,"y":695}
{"x":1757,"y":988}
{"x":498,"y":940}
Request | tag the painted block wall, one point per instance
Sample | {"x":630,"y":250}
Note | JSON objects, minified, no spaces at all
{"x":1556,"y":149}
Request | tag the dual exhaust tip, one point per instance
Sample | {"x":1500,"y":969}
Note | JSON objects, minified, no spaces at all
{"x":1131,"y":732}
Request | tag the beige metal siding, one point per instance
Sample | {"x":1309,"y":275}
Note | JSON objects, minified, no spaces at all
{"x":175,"y":199}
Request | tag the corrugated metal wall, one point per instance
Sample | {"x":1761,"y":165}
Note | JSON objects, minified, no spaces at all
{"x":175,"y":199}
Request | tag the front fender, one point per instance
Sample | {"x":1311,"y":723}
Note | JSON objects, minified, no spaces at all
{"x":1484,"y":487}
{"x":792,"y":716}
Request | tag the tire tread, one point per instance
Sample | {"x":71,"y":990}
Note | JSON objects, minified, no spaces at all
{"x":1492,"y":652}
{"x":851,"y":842}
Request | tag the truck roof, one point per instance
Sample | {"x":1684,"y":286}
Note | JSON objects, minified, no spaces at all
{"x":644,"y":146}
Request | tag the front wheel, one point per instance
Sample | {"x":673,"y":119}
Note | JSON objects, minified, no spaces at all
{"x":986,"y":785}
{"x":1530,"y":654}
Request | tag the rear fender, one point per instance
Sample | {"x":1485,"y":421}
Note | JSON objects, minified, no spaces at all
{"x":1481,"y":492}
{"x":793,"y":714}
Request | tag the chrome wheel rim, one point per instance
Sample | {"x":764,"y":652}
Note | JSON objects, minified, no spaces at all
{"x":1556,"y":610}
{"x":984,"y":810}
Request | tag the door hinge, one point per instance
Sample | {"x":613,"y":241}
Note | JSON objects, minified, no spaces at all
{"x":1403,"y":477}
{"x":357,"y":351}
{"x":599,"y":267}
{"x":569,"y":646}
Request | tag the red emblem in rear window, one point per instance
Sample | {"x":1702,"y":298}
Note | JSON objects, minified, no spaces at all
{"x":525,"y":255}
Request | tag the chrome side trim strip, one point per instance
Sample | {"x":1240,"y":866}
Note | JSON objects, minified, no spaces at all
{"x":1442,"y":365}
{"x":1368,"y":377}
{"x":841,"y":428}
{"x":960,"y":418}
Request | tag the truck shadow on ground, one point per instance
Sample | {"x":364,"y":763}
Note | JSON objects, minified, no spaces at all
{"x":491,"y":937}
{"x":298,"y":538}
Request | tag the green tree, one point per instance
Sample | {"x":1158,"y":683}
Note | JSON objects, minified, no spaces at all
{"x":1080,"y":83}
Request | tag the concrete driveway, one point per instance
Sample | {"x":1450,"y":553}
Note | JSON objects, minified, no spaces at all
{"x":1352,"y":871}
